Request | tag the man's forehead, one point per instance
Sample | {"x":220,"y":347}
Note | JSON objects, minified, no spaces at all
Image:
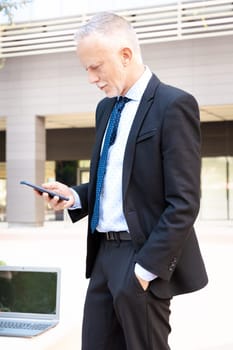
{"x":93,"y":52}
{"x":91,"y":57}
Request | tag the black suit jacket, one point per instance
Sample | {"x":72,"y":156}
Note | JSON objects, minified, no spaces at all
{"x":161,"y":188}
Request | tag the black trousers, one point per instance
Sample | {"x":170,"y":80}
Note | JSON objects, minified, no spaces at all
{"x":118,"y":313}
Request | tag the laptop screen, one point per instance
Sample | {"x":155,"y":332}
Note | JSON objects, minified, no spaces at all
{"x":28,"y":291}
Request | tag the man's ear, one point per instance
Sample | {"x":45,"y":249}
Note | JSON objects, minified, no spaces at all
{"x":126,"y":56}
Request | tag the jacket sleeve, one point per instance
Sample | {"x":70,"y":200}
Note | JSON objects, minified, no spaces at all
{"x":78,"y":214}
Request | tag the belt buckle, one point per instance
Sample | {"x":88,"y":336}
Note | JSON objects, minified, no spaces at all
{"x":108,"y":236}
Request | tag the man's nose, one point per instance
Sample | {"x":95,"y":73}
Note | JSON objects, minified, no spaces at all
{"x":92,"y":78}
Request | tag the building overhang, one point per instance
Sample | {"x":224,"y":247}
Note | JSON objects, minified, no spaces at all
{"x":180,"y":20}
{"x":211,"y":113}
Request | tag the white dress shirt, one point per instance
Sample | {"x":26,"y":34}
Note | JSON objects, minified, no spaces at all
{"x":111,"y":216}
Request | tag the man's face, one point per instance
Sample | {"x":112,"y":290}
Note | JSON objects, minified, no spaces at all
{"x":104,"y":64}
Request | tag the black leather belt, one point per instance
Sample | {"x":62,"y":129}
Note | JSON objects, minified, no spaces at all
{"x":116,"y":236}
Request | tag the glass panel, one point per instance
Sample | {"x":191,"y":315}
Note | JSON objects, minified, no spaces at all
{"x":83,"y":171}
{"x":84,"y":176}
{"x":2,"y":170}
{"x":230,"y":187}
{"x":49,"y":176}
{"x":214,"y":188}
{"x":84,"y":164}
{"x":2,"y":191}
{"x":50,"y":171}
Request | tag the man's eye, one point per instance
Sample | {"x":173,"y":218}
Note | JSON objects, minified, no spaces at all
{"x":96,"y":67}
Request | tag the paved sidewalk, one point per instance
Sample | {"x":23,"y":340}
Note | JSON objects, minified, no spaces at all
{"x":200,"y":321}
{"x":203,"y":320}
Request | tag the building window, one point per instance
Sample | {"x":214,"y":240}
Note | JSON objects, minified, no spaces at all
{"x":217,"y":188}
{"x":2,"y":191}
{"x":230,"y":187}
{"x":83,"y":171}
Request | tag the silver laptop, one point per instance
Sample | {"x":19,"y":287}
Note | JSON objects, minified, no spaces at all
{"x":29,"y":300}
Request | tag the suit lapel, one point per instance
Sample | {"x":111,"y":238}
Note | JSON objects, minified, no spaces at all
{"x":144,"y":106}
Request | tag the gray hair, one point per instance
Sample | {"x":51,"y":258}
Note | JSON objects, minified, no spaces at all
{"x":109,"y":24}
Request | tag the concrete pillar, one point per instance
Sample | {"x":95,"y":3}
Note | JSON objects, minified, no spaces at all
{"x":25,"y":154}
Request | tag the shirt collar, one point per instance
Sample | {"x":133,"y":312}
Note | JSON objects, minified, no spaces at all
{"x":137,"y":90}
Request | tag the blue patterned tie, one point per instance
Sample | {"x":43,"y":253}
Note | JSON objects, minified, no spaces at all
{"x":108,"y":141}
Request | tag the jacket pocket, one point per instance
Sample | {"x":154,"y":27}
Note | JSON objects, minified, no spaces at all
{"x":146,"y":135}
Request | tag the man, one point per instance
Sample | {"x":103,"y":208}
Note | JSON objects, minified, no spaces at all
{"x":142,"y":249}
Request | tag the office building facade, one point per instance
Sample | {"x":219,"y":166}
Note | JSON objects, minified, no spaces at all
{"x":47,"y":106}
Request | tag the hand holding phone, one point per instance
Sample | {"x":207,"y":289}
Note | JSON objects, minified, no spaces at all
{"x":42,"y":189}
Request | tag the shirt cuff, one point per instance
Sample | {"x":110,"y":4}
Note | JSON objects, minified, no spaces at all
{"x":77,"y":202}
{"x":143,"y":273}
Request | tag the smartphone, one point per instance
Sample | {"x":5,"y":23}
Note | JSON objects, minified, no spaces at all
{"x":42,"y":189}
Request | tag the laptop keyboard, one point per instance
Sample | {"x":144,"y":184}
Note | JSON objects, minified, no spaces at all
{"x":23,"y":325}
